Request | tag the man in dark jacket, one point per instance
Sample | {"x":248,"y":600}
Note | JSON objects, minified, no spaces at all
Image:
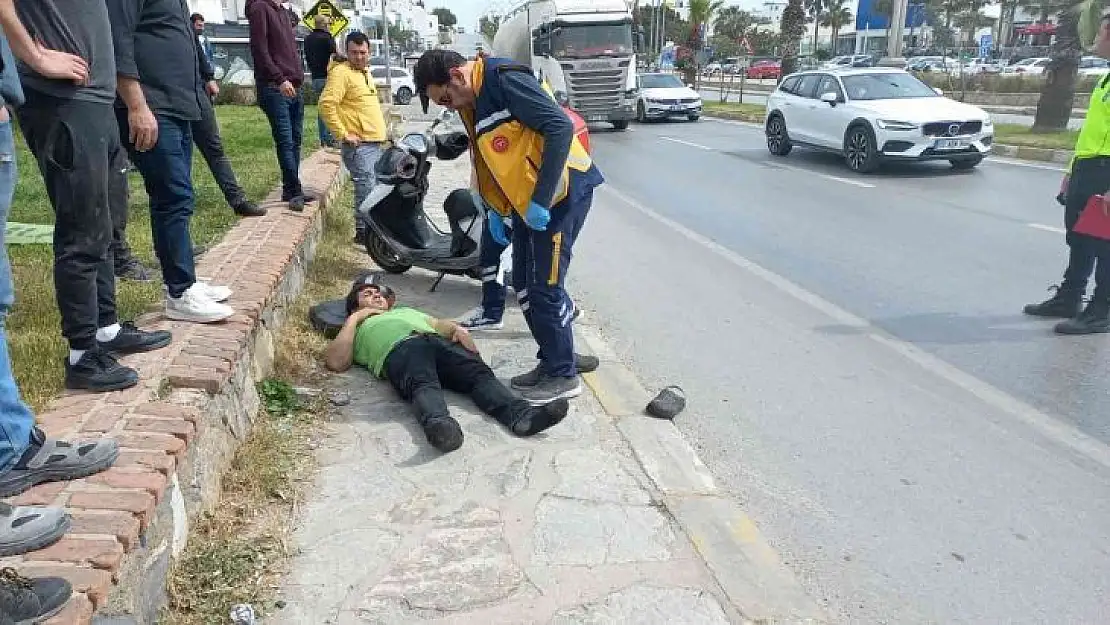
{"x":160,"y":99}
{"x":319,"y":50}
{"x":278,"y":74}
{"x":206,"y":135}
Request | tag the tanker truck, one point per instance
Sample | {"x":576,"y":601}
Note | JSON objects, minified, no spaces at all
{"x":583,"y":49}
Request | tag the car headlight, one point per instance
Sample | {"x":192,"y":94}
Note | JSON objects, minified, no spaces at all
{"x":887,"y":124}
{"x":988,"y":123}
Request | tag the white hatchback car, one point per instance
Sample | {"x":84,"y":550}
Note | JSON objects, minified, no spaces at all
{"x":403,"y":86}
{"x":871,"y":115}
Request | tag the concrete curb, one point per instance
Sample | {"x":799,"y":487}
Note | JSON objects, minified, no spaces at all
{"x":179,"y":428}
{"x":748,"y":569}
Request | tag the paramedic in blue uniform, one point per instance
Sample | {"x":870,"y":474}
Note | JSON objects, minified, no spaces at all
{"x":532,"y":171}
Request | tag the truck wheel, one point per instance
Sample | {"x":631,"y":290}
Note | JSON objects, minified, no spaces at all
{"x":621,"y":124}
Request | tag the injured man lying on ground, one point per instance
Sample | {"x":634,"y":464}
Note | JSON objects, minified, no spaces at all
{"x":420,"y":356}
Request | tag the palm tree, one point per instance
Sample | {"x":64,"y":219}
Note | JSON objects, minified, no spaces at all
{"x":701,"y":15}
{"x":816,"y":10}
{"x":1060,"y":77}
{"x":837,"y":15}
{"x":792,"y":29}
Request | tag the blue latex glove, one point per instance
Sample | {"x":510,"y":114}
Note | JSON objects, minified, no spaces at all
{"x":496,"y":225}
{"x":537,"y":217}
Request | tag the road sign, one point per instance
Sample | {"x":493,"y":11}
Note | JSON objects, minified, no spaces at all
{"x":986,"y":42}
{"x":338,"y":21}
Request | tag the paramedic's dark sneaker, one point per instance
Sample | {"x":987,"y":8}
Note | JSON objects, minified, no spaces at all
{"x":529,"y":420}
{"x":584,"y":364}
{"x":26,"y":601}
{"x":133,"y":270}
{"x":444,"y":434}
{"x":246,"y":208}
{"x":1095,"y":319}
{"x":476,"y":319}
{"x":24,"y":529}
{"x":132,"y":340}
{"x":1062,"y":305}
{"x":53,"y":460}
{"x":549,"y":389}
{"x":99,"y":372}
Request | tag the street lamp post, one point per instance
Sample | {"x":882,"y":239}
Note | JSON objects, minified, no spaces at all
{"x":897,"y":28}
{"x":385,"y":44}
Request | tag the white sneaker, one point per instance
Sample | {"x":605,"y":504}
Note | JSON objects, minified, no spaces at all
{"x":212,"y":292}
{"x":475,"y":319}
{"x":195,"y":305}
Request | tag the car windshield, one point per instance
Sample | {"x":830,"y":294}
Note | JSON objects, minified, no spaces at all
{"x":590,"y":40}
{"x":660,"y":81}
{"x":886,"y":86}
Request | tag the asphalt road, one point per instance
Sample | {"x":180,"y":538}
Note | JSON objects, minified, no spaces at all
{"x":858,"y":372}
{"x":714,"y":95}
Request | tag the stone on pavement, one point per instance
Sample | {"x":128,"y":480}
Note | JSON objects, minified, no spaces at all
{"x":644,"y":603}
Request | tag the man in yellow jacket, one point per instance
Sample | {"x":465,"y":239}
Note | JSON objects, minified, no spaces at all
{"x":350,"y":107}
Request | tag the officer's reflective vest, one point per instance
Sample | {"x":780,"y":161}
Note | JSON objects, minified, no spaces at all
{"x":507,"y":155}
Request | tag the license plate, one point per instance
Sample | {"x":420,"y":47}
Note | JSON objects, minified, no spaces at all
{"x":677,"y":107}
{"x":597,"y":118}
{"x":951,"y":144}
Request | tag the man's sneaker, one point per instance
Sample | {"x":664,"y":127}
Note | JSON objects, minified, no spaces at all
{"x":213,"y":292}
{"x":1062,"y":305}
{"x":444,"y":434}
{"x":99,"y":372}
{"x":195,"y":305}
{"x":296,"y":203}
{"x":246,"y":208}
{"x":26,"y":601}
{"x":53,"y":460}
{"x":476,"y":319}
{"x":549,"y":389}
{"x":133,"y":270}
{"x":132,"y":340}
{"x":1095,"y":319}
{"x":24,"y":529}
{"x":529,"y":420}
{"x":584,"y":363}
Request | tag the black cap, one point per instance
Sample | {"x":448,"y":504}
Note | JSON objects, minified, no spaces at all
{"x":363,"y":281}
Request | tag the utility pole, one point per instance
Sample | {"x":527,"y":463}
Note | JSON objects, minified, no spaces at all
{"x":385,"y":43}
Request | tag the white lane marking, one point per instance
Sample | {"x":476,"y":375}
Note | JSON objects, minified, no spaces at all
{"x":855,"y":183}
{"x":1019,"y":163}
{"x":1048,"y":426}
{"x":1052,"y":229}
{"x":689,"y":143}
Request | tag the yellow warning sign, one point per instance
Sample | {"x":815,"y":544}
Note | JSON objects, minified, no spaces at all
{"x":337,"y":21}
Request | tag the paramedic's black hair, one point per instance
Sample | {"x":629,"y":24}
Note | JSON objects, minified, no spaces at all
{"x":434,"y":68}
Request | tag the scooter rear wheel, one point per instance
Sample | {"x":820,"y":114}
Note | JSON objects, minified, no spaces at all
{"x":381,"y":254}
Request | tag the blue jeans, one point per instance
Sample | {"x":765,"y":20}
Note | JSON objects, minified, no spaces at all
{"x":360,"y":160}
{"x":286,"y":117}
{"x":16,"y":419}
{"x":326,"y":137}
{"x":167,"y":171}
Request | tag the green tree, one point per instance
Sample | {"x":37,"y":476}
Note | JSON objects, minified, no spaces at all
{"x":702,"y":13}
{"x":488,"y":25}
{"x":447,"y":19}
{"x":837,"y":15}
{"x":732,"y":25}
{"x":675,"y":28}
{"x":791,"y":31}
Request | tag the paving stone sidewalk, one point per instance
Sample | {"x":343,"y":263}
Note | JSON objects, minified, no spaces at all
{"x":564,"y":527}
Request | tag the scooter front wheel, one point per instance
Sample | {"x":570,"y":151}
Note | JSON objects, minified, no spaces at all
{"x":381,"y":253}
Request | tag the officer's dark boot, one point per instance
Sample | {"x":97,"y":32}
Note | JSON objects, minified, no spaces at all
{"x":1065,"y":303}
{"x":1095,"y":319}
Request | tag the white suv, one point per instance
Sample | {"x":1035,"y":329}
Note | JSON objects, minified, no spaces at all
{"x":871,"y":115}
{"x":403,"y":86}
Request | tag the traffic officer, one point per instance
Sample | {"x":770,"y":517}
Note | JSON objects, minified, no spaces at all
{"x":532,"y":170}
{"x":1088,"y":175}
